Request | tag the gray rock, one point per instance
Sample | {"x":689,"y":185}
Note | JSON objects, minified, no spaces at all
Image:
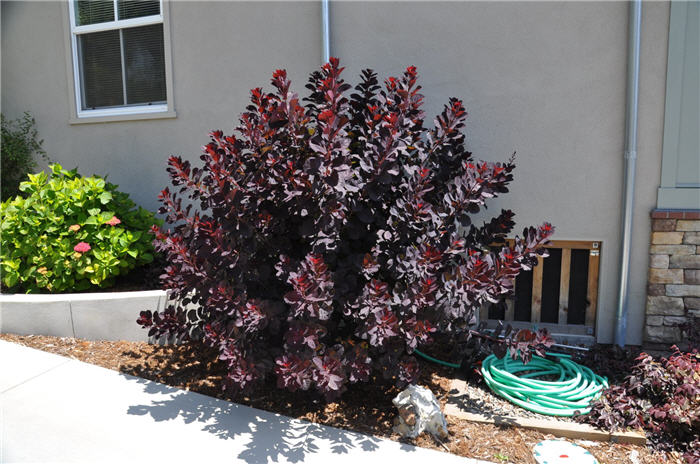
{"x":419,"y":411}
{"x":692,"y":238}
{"x":658,"y":261}
{"x":672,"y":250}
{"x":688,"y":225}
{"x":683,"y":290}
{"x":666,"y":276}
{"x":685,"y":262}
{"x":665,"y":306}
{"x":673,"y":321}
{"x":691,"y":276}
{"x":663,"y":334}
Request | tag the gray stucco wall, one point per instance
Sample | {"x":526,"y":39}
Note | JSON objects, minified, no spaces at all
{"x":544,"y":79}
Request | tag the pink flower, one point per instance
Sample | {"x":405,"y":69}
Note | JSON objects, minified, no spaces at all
{"x":114,"y":221}
{"x":82,"y":247}
{"x":74,"y":228}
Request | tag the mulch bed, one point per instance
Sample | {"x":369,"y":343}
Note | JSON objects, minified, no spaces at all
{"x":365,"y":408}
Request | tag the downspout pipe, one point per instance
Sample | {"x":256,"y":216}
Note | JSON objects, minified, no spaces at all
{"x":633,"y":46}
{"x":325,"y":33}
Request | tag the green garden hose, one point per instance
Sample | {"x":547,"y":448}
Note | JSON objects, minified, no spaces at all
{"x":573,"y":390}
{"x":436,"y":361}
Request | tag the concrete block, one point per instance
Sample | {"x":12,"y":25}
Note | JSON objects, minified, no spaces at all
{"x":663,"y":225}
{"x":684,"y":262}
{"x":666,"y":276}
{"x":688,"y":225}
{"x":114,"y":318}
{"x":666,"y":238}
{"x":31,"y":315}
{"x":656,"y":290}
{"x":692,"y":238}
{"x":655,"y":320}
{"x":683,"y":290}
{"x":672,"y":250}
{"x":658,"y":261}
{"x":692,"y":303}
{"x":665,"y":306}
{"x":691,"y":276}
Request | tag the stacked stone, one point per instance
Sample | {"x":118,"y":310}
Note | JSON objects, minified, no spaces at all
{"x":673,"y":294}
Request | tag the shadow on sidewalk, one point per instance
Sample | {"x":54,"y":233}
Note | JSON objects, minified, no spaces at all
{"x":271,"y":436}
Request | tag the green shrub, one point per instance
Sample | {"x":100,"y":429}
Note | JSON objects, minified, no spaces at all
{"x":71,"y":233}
{"x":19,"y":147}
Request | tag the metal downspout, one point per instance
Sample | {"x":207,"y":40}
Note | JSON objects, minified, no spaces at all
{"x":634,"y":31}
{"x":325,"y":33}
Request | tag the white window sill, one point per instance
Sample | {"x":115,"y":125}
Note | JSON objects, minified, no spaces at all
{"x":115,"y":117}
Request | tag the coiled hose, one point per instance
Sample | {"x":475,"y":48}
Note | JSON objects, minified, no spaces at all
{"x":572,"y":392}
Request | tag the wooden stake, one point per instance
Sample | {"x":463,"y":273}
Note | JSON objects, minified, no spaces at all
{"x":564,"y":285}
{"x":592,"y":293}
{"x":536,"y":291}
{"x":555,"y":427}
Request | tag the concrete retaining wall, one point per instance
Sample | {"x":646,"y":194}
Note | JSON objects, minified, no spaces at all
{"x":90,"y":316}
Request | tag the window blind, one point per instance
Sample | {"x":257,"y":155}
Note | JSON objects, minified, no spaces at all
{"x":144,"y":57}
{"x":93,"y":12}
{"x":101,"y":69}
{"x":135,"y":9}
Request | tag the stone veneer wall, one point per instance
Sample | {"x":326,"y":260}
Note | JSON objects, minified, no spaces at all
{"x":673,"y":293}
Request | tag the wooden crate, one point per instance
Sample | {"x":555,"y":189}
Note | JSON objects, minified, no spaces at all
{"x":577,"y":281}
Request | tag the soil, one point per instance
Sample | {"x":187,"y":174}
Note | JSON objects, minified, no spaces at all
{"x":365,"y":408}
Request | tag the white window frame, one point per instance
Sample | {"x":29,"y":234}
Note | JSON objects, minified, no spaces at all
{"x":118,"y":113}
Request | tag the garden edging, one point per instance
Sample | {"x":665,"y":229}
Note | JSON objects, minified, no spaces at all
{"x":90,"y":316}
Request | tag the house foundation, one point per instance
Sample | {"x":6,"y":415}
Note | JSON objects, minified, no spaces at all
{"x":673,"y":290}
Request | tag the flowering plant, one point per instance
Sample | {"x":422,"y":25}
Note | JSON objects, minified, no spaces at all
{"x":71,"y":233}
{"x":324,"y":243}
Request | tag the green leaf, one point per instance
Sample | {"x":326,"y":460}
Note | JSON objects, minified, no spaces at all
{"x":106,"y":216}
{"x":94,"y":211}
{"x":105,"y":198}
{"x":10,"y":279}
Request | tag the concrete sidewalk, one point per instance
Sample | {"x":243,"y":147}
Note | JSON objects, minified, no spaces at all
{"x":55,"y":409}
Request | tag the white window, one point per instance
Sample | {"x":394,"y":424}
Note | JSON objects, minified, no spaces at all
{"x":119,"y":57}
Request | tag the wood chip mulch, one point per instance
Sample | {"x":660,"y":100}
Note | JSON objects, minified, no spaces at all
{"x":365,"y":408}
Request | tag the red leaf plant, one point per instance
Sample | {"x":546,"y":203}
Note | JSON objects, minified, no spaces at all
{"x":324,"y":242}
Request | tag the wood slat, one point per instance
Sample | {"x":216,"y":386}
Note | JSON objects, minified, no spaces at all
{"x":569,"y":244}
{"x":484,"y":312}
{"x":564,"y":283}
{"x":592,"y":293}
{"x":564,"y":286}
{"x":510,"y":309}
{"x":575,"y":244}
{"x":568,"y":329}
{"x":536,"y":307}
